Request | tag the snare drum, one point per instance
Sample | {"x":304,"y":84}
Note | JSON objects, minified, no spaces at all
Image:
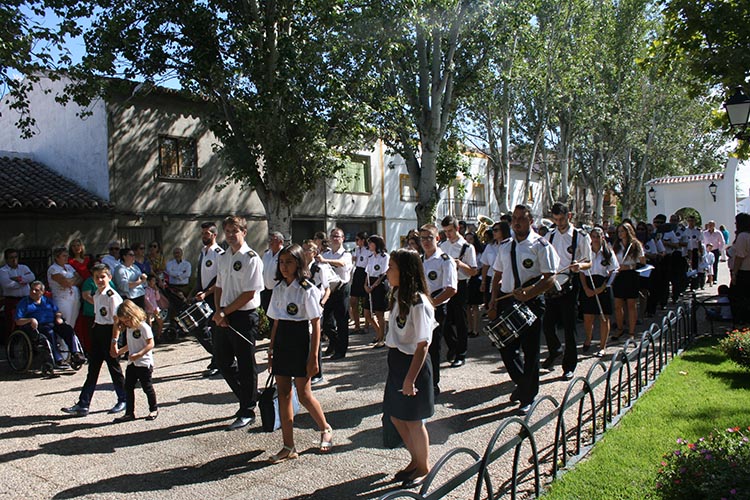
{"x":195,"y":316}
{"x":510,"y":324}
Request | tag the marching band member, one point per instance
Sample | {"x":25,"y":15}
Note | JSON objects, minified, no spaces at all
{"x":292,"y":353}
{"x":573,"y":247}
{"x":442,"y":282}
{"x":409,"y":398}
{"x":320,"y":274}
{"x":500,"y":232}
{"x":206,"y":283}
{"x":595,"y":300}
{"x":456,"y":329}
{"x":361,"y":254}
{"x":625,"y":288}
{"x":337,"y":306}
{"x":376,"y":288}
{"x":236,"y":298}
{"x":524,"y":267}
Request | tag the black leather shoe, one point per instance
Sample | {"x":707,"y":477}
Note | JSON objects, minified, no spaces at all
{"x":241,"y":422}
{"x":458,"y":363}
{"x":76,"y":410}
{"x":125,"y":418}
{"x":329,"y":352}
{"x":316,"y":380}
{"x":336,"y":356}
{"x":550,"y":361}
{"x":117,"y":408}
{"x":210,"y":372}
{"x":403,"y":475}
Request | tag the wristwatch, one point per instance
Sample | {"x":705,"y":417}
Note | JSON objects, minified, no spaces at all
{"x":221,"y":314}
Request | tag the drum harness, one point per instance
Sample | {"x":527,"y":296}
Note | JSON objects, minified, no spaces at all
{"x":574,"y":246}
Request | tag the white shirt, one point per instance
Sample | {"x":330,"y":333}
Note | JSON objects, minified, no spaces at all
{"x":270,"y":265}
{"x":440,"y":272}
{"x":137,"y":340}
{"x":361,"y":254}
{"x":240,"y":272}
{"x":377,"y":265}
{"x":342,"y":273}
{"x":58,"y":291}
{"x":694,"y":238}
{"x":598,"y":268}
{"x":15,"y":282}
{"x":322,"y":277}
{"x":563,"y":245}
{"x":208,"y":263}
{"x":632,"y":259}
{"x":295,"y":302}
{"x":488,"y":257}
{"x":534,"y":257}
{"x":106,"y":303}
{"x":417,"y":326}
{"x":454,"y":250}
{"x":179,"y":272}
{"x":111,"y":262}
{"x":653,"y":247}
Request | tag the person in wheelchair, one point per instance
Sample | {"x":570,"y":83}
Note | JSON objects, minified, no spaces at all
{"x":37,"y":313}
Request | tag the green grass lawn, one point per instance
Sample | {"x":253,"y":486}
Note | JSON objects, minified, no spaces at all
{"x":698,"y":392}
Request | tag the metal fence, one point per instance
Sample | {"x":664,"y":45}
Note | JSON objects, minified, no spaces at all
{"x":630,"y":371}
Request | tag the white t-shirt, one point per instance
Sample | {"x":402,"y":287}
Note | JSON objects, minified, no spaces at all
{"x":137,"y":340}
{"x":58,"y":291}
{"x":417,"y":326}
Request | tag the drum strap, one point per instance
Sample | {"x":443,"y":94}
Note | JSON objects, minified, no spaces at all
{"x":514,"y":265}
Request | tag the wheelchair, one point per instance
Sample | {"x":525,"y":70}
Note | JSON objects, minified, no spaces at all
{"x":27,"y":349}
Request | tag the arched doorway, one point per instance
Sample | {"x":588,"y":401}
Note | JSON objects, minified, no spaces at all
{"x":686,"y":212}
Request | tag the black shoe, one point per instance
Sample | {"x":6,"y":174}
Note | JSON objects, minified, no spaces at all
{"x":329,"y":352}
{"x":117,"y":408}
{"x":451,"y":357}
{"x":210,"y":372}
{"x":515,"y":396}
{"x":76,"y":410}
{"x":413,"y":482}
{"x":550,"y":361}
{"x":241,"y":422}
{"x":403,"y":475}
{"x":458,"y":363}
{"x":473,"y":335}
{"x":316,"y":380}
{"x":568,"y":375}
{"x":336,"y":356}
{"x":436,"y":390}
{"x":586,"y":347}
{"x":125,"y":418}
{"x":524,"y":408}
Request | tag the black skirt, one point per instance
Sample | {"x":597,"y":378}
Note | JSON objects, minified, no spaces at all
{"x":403,"y":407}
{"x":358,"y":283}
{"x":475,"y":297}
{"x":378,"y":301}
{"x":291,"y":348}
{"x":626,"y":285}
{"x":588,"y":305}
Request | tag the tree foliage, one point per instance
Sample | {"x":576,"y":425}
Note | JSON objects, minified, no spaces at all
{"x":277,"y":103}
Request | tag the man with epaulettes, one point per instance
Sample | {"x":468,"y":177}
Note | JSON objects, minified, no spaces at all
{"x":694,"y":242}
{"x":270,"y":266}
{"x":524,"y":267}
{"x":573,"y":247}
{"x":456,"y":330}
{"x":675,"y":244}
{"x":338,"y":303}
{"x":236,"y":298}
{"x":208,"y":268}
{"x":442,"y":282}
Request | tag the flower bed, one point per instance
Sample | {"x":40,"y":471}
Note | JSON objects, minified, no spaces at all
{"x":736,"y":345}
{"x":715,"y":467}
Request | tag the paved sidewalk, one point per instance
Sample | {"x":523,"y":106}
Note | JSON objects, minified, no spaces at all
{"x":186,"y":452}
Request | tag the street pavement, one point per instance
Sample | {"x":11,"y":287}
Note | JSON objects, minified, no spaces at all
{"x":187,"y":454}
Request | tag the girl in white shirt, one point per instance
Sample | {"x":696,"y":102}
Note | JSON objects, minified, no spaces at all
{"x":375,"y":285}
{"x":595,"y":298}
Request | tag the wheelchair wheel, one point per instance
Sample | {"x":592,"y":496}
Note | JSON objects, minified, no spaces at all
{"x":19,"y":351}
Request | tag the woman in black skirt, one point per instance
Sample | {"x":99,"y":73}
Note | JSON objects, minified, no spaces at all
{"x":292,"y":353}
{"x":595,"y":299}
{"x":361,"y":254}
{"x":375,"y":285}
{"x":626,"y":286}
{"x":409,"y":397}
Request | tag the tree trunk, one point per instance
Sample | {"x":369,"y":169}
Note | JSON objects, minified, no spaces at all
{"x":278,"y":213}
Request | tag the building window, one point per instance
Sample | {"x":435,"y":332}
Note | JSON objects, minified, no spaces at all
{"x":478,"y":193}
{"x":178,"y":158}
{"x":407,"y":192}
{"x":355,"y":177}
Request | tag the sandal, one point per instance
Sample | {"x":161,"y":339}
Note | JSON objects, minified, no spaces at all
{"x":291,"y":454}
{"x":152,"y":415}
{"x":326,"y":444}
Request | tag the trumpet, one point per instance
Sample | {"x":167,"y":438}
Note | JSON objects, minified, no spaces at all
{"x":484,"y":224}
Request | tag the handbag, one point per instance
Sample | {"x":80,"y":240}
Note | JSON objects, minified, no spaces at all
{"x":268,"y":403}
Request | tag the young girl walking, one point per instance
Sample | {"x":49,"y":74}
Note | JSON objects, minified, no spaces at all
{"x":140,"y":342}
{"x":292,"y":354}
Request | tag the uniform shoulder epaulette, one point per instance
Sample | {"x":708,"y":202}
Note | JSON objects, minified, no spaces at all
{"x":110,"y":293}
{"x":505,"y":241}
{"x":543,"y":242}
{"x":304,"y":283}
{"x":445,"y":256}
{"x":252,"y":254}
{"x":417,"y":299}
{"x":220,"y":251}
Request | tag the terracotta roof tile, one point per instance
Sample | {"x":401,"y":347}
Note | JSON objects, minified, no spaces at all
{"x":27,"y":185}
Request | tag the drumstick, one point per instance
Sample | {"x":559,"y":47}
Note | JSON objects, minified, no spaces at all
{"x":561,"y":271}
{"x":596,"y":295}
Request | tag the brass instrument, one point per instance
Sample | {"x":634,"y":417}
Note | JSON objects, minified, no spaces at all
{"x":484,"y":224}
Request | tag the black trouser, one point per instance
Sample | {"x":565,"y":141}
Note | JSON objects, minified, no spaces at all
{"x":204,"y":335}
{"x":717,"y":255}
{"x":337,"y":308}
{"x":677,"y":274}
{"x":101,"y":342}
{"x":434,"y":350}
{"x":140,"y":374}
{"x":562,"y":311}
{"x":525,"y":372}
{"x":228,"y":346}
{"x":658,"y":292}
{"x":456,"y":329}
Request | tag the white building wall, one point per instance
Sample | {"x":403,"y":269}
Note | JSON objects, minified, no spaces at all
{"x":75,"y":148}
